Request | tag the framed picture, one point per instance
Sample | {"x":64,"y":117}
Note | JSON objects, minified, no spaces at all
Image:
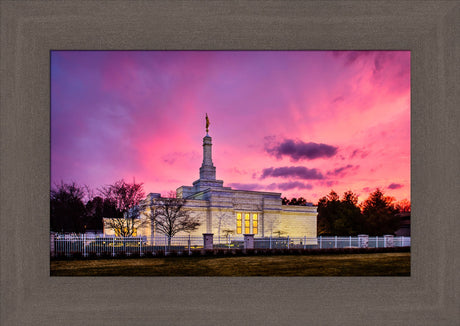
{"x":30,"y":296}
{"x":234,"y":152}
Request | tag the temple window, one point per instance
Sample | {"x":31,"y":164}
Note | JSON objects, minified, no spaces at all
{"x":255,"y":223}
{"x":247,"y":223}
{"x":251,"y":223}
{"x":238,"y":223}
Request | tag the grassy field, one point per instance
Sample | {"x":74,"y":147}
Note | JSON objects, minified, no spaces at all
{"x":376,"y":264}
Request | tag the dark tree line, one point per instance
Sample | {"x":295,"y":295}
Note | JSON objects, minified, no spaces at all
{"x":75,"y":210}
{"x":295,"y":201}
{"x":344,"y":217}
{"x":71,"y":213}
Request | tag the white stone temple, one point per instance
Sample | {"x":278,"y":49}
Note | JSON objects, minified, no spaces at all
{"x":223,"y":210}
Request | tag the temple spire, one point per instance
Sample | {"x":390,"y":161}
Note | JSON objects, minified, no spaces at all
{"x":207,"y":170}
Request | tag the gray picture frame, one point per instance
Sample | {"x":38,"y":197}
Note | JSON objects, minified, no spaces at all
{"x":29,"y":30}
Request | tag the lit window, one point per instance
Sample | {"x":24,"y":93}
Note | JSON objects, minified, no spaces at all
{"x":238,"y":223}
{"x":255,"y":223}
{"x":246,"y":223}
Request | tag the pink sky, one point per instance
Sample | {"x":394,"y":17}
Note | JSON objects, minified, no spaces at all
{"x":297,"y":122}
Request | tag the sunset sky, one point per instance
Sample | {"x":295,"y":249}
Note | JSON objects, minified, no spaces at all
{"x":297,"y":122}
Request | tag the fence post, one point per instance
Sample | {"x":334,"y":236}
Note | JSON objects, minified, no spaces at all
{"x":389,"y":240}
{"x":52,"y":244}
{"x":208,"y":241}
{"x":363,"y":241}
{"x":270,"y":241}
{"x":402,"y":241}
{"x":350,"y":241}
{"x":113,"y":246}
{"x":189,"y":252}
{"x":288,"y":241}
{"x":248,"y":241}
{"x":376,"y":241}
{"x":140,"y":246}
{"x":335,"y":242}
{"x":305,"y":242}
{"x":320,"y":242}
{"x":84,"y":247}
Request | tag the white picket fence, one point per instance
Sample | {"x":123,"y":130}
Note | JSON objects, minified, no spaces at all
{"x":68,"y":245}
{"x":86,"y":245}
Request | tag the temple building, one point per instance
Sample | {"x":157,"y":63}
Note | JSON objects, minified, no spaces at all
{"x":223,"y":210}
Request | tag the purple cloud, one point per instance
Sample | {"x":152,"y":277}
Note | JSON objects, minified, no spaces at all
{"x":300,"y":172}
{"x":331,"y":183}
{"x":340,"y":172}
{"x":246,"y":186}
{"x":338,"y":99}
{"x":298,"y":150}
{"x":360,"y":152}
{"x":289,"y":185}
{"x":395,"y":186}
{"x":351,"y":56}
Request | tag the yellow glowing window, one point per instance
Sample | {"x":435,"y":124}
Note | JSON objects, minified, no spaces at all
{"x":255,"y":223}
{"x":238,"y":223}
{"x":246,"y":223}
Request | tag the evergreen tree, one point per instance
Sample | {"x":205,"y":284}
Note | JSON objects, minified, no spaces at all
{"x":67,"y":209}
{"x":349,"y":220}
{"x":339,"y":217}
{"x":379,"y":214}
{"x":94,"y":214}
{"x":328,"y":211}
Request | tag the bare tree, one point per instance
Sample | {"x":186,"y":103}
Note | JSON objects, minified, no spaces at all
{"x":224,"y":222}
{"x":125,"y":198}
{"x":171,"y":217}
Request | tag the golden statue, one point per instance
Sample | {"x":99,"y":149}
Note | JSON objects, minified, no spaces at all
{"x":207,"y":123}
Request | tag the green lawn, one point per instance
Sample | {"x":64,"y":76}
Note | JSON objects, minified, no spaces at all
{"x":376,"y":264}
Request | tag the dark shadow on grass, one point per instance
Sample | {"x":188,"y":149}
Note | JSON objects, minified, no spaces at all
{"x":369,"y":264}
